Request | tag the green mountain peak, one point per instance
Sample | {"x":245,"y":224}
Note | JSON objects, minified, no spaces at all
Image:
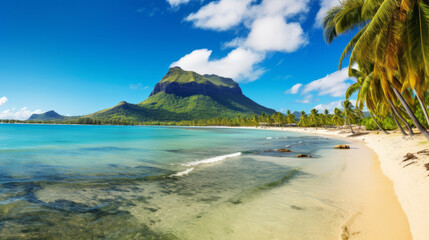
{"x":178,"y":75}
{"x":186,"y":95}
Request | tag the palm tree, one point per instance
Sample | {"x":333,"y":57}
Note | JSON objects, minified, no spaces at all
{"x":255,"y":120}
{"x":278,"y":118}
{"x":367,"y":94}
{"x":349,"y":113}
{"x":337,"y":118}
{"x":392,"y":43}
{"x":314,"y":117}
{"x":290,"y":118}
{"x":326,"y":118}
{"x":303,"y":121}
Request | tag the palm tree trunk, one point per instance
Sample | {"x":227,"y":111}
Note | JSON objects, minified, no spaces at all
{"x":423,"y":108}
{"x":400,"y":117}
{"x":397,"y":123}
{"x":350,"y":125}
{"x":411,"y":114}
{"x":382,"y":129}
{"x":353,"y":132}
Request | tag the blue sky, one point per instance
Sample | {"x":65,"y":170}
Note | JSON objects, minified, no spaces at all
{"x":78,"y":57}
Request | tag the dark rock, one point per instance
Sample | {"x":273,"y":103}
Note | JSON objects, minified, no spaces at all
{"x":303,"y":156}
{"x":284,"y":150}
{"x":342,"y":146}
{"x":193,"y":88}
{"x":296,"y":207}
{"x":409,"y":156}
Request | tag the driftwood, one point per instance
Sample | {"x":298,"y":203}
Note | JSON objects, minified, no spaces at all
{"x":425,"y":152}
{"x":409,"y":156}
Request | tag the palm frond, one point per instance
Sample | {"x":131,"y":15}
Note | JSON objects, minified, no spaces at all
{"x":328,"y":24}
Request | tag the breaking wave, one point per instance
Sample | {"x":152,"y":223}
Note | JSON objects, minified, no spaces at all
{"x":182,"y":173}
{"x":211,"y":160}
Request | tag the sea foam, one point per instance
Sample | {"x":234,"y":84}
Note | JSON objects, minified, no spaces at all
{"x":180,"y":174}
{"x":211,"y":160}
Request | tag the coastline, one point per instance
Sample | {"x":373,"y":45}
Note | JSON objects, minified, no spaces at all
{"x":410,"y":178}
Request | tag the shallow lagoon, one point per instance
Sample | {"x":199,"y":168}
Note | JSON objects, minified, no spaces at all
{"x":61,"y":181}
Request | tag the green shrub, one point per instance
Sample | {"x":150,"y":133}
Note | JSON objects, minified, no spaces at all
{"x":369,"y":124}
{"x":389,"y":123}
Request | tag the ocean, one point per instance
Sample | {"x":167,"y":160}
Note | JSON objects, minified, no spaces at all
{"x":144,"y":182}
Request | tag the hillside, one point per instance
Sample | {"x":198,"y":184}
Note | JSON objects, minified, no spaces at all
{"x":186,"y":95}
{"x":47,"y":116}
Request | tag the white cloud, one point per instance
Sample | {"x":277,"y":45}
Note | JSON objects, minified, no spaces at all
{"x":270,"y":29}
{"x":175,"y":3}
{"x":282,"y":110}
{"x":220,"y":15}
{"x":238,"y":64}
{"x":236,"y":42}
{"x":332,"y":105}
{"x":285,"y":8}
{"x":325,"y":6}
{"x":3,"y":100}
{"x":22,"y":114}
{"x":294,"y":89}
{"x":307,"y":99}
{"x":334,"y":84}
{"x":275,"y":34}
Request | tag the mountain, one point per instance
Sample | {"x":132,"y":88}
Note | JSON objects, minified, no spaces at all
{"x":297,"y":115}
{"x":186,"y":95}
{"x":47,"y":116}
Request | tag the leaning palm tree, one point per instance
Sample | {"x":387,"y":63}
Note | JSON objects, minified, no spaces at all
{"x":350,"y":113}
{"x":366,"y":94}
{"x":392,"y":41}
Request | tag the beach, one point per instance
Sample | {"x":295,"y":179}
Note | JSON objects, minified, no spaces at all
{"x":410,"y":178}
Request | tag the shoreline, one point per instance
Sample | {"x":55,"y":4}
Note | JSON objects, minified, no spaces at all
{"x":410,"y":178}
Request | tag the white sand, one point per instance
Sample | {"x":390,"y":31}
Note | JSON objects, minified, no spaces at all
{"x":410,"y":179}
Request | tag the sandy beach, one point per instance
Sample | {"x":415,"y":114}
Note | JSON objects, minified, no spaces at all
{"x":409,"y":179}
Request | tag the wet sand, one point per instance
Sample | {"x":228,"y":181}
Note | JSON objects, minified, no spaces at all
{"x":379,"y":214}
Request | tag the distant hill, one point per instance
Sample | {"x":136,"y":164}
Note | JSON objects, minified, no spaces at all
{"x":47,"y":116}
{"x":297,"y":115}
{"x":186,"y":95}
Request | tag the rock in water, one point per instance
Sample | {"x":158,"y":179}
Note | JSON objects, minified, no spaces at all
{"x":303,"y":156}
{"x":342,"y":146}
{"x":284,"y":150}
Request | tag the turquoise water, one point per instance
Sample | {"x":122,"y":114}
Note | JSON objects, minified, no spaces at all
{"x":89,"y":182}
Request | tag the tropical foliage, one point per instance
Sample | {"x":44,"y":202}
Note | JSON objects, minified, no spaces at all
{"x":388,"y":56}
{"x":314,"y":119}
